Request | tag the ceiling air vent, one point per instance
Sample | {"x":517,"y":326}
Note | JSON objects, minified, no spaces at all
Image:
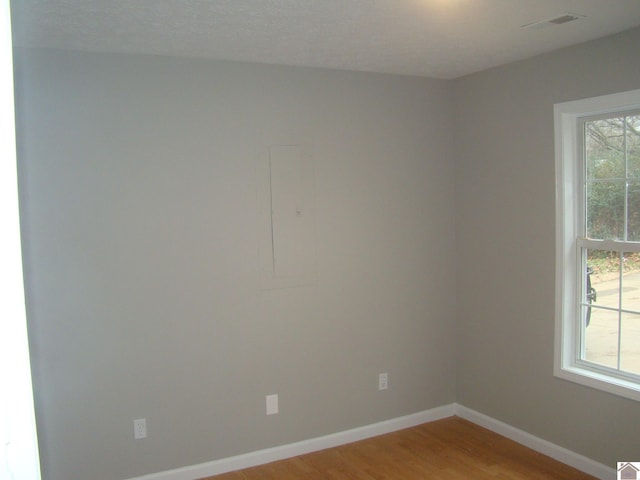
{"x":550,"y":22}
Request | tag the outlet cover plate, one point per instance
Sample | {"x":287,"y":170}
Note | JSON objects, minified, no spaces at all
{"x":383,"y":381}
{"x":140,"y":428}
{"x":272,"y":404}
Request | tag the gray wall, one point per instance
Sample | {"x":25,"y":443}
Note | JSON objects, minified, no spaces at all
{"x":505,"y":213}
{"x":139,"y":182}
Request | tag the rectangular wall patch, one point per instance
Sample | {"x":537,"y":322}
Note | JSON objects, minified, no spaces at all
{"x":291,"y":259}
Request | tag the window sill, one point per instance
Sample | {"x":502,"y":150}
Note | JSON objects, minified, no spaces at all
{"x":600,"y":381}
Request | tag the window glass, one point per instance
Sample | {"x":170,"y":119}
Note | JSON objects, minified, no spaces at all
{"x":604,"y":148}
{"x":633,"y":210}
{"x":600,"y":309}
{"x":605,"y":209}
{"x":611,"y":310}
{"x":601,"y":338}
{"x":612,"y":164}
{"x":602,"y":285}
{"x":630,"y":282}
{"x":633,"y":145}
{"x":630,"y":343}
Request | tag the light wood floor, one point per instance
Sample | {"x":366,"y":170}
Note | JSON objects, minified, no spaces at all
{"x":448,"y":449}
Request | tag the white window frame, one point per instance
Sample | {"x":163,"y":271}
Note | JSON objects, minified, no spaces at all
{"x":569,"y":208}
{"x":19,"y":457}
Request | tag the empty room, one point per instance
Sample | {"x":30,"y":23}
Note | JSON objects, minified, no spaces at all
{"x":312,"y":232}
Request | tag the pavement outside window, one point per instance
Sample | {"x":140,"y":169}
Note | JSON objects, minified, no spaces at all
{"x":605,"y":332}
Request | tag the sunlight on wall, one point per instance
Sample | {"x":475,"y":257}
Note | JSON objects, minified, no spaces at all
{"x":18,"y":446}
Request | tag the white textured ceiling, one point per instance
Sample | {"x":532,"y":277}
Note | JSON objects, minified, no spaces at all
{"x":434,"y":38}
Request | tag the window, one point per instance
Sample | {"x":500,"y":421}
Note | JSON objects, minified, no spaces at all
{"x":598,"y":242}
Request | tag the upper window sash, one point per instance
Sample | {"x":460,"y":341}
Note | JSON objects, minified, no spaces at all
{"x":625,"y":173}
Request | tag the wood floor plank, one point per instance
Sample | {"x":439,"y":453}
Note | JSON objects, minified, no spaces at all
{"x":447,"y":449}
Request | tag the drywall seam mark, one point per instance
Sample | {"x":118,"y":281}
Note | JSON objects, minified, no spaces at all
{"x":273,"y":243}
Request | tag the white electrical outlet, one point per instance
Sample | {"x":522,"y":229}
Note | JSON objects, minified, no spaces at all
{"x":140,"y":428}
{"x":383,"y":381}
{"x":272,"y":404}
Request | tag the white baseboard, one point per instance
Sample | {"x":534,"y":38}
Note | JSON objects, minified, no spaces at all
{"x":268,"y":455}
{"x":552,"y":450}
